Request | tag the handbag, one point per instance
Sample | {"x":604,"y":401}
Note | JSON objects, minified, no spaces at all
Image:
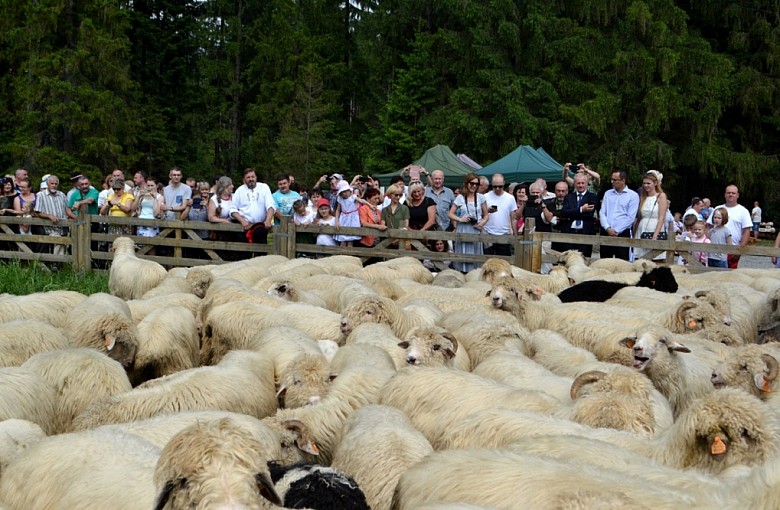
{"x":662,"y":236}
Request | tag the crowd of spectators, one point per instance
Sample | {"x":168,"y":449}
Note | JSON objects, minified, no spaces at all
{"x":415,"y":200}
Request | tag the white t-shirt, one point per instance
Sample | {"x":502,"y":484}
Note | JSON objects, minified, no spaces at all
{"x":326,"y":239}
{"x":304,"y":219}
{"x":499,"y":222}
{"x":691,"y":210}
{"x":755,"y":215}
{"x":739,"y":218}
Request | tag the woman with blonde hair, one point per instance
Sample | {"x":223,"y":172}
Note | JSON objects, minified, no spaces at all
{"x":469,"y":214}
{"x":650,"y":220}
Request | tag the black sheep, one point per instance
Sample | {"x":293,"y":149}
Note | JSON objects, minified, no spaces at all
{"x":316,"y":487}
{"x":660,"y":279}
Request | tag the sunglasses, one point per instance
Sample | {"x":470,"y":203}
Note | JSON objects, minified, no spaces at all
{"x":498,"y":186}
{"x":398,"y":194}
{"x":474,"y":183}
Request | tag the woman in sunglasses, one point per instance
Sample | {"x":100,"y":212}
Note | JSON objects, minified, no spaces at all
{"x":469,"y":213}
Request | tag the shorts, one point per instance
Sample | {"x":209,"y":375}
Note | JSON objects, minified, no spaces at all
{"x":755,"y":226}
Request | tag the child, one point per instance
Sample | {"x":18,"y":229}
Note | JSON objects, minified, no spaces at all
{"x":440,"y":246}
{"x":688,"y":223}
{"x":325,"y":218}
{"x":678,"y":223}
{"x":699,"y":236}
{"x":347,"y":212}
{"x":719,"y":234}
{"x":301,"y":215}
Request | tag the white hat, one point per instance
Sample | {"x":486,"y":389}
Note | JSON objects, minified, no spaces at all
{"x":658,"y":175}
{"x":337,"y":176}
{"x":343,"y":186}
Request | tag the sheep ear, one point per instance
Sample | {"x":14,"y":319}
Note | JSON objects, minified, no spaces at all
{"x":762,"y":384}
{"x":280,"y":395}
{"x":266,"y":489}
{"x":676,"y":346}
{"x":403,"y":345}
{"x":109,"y":342}
{"x":487,"y":294}
{"x":164,"y":496}
{"x":628,"y":342}
{"x":302,"y":439}
{"x":332,"y":377}
{"x":449,"y":336}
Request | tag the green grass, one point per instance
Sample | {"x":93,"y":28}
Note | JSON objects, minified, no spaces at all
{"x":25,"y":278}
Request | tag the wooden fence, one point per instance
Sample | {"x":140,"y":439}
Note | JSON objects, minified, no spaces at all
{"x":179,"y":243}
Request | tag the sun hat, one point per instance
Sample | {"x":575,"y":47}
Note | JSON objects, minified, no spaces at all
{"x":343,"y":186}
{"x":323,"y":201}
{"x":337,"y":176}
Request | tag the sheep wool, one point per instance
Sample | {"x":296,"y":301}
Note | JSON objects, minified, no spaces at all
{"x":21,"y":339}
{"x":129,"y":276}
{"x":15,"y":437}
{"x":79,"y":377}
{"x":25,"y":395}
{"x":316,"y":487}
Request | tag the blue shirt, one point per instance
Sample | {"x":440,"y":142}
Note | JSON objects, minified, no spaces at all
{"x":618,"y":210}
{"x":443,"y":200}
{"x":284,"y":201}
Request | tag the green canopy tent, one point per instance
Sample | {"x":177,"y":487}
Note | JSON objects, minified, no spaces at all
{"x":441,"y":158}
{"x":525,"y":164}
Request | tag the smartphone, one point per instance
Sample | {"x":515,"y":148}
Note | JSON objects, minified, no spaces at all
{"x":493,"y":208}
{"x":414,"y":172}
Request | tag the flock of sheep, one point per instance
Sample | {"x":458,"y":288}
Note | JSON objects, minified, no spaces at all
{"x":303,"y":383}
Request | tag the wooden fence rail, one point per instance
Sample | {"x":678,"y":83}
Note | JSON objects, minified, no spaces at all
{"x":180,"y":243}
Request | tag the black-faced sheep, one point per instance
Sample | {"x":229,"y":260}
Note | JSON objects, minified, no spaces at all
{"x":214,"y":465}
{"x":78,"y":376}
{"x":242,"y":383}
{"x":395,"y":446}
{"x":105,"y":323}
{"x":659,"y":278}
{"x":129,"y":276}
{"x":316,"y":487}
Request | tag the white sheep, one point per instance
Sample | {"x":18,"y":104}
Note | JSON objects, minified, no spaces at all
{"x":140,"y":308}
{"x":506,"y":480}
{"x":78,"y":376}
{"x":168,"y":342}
{"x":129,"y":276}
{"x":242,"y":382}
{"x":752,"y":369}
{"x":21,"y":339}
{"x":658,"y":356}
{"x":435,"y":398}
{"x":105,"y":323}
{"x":362,"y":355}
{"x":52,"y":307}
{"x":289,"y":292}
{"x":393,"y":269}
{"x":381,"y":336}
{"x":493,"y":269}
{"x":431,"y":346}
{"x":302,"y":373}
{"x":196,"y":281}
{"x":394,"y":446}
{"x":15,"y":437}
{"x":336,"y":291}
{"x":449,"y":278}
{"x":91,"y":470}
{"x":384,"y":311}
{"x":482,"y":336}
{"x":214,"y":465}
{"x":25,"y":395}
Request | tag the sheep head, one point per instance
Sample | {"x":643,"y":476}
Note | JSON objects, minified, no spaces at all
{"x":118,"y":339}
{"x":200,"y":280}
{"x":651,"y":343}
{"x":750,"y":369}
{"x":690,"y":317}
{"x":430,"y":346}
{"x":494,"y":269}
{"x":123,"y":245}
{"x":305,"y":381}
{"x":211,"y":464}
{"x":719,"y":301}
{"x":284,"y":289}
{"x":660,"y":279}
{"x":369,"y":309}
{"x":510,"y":294}
{"x":722,"y":429}
{"x":295,"y":439}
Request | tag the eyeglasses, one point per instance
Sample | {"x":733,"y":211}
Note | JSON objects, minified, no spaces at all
{"x":498,"y":186}
{"x":474,"y":183}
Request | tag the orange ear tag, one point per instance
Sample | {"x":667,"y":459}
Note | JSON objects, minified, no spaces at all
{"x":718,"y":446}
{"x":766,"y":388}
{"x":691,"y":324}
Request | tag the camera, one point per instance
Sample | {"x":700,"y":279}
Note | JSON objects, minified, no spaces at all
{"x":472,"y":221}
{"x":363,"y":179}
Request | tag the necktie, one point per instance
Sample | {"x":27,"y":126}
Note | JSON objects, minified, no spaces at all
{"x":579,"y":198}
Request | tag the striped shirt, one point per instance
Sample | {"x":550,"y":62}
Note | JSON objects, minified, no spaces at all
{"x":54,"y":204}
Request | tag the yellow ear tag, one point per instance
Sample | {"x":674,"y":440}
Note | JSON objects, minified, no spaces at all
{"x":691,"y":324}
{"x":109,"y":343}
{"x":718,"y":446}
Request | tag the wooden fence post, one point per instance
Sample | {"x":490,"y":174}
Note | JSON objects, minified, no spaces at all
{"x":526,"y":260}
{"x":281,"y":236}
{"x":80,"y":238}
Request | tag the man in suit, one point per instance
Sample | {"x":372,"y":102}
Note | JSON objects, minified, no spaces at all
{"x":578,"y":214}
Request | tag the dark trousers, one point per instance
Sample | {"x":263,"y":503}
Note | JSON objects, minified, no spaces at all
{"x":498,"y":249}
{"x":608,"y":252}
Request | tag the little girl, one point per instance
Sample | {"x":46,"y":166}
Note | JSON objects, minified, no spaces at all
{"x":301,"y":215}
{"x":719,"y":234}
{"x":326,"y":219}
{"x":699,"y":236}
{"x":347,"y":212}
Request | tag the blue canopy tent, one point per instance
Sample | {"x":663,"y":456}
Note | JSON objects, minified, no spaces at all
{"x":525,"y":164}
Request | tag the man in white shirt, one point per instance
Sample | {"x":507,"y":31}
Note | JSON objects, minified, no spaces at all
{"x":500,"y":206}
{"x":739,"y":222}
{"x":697,"y":204}
{"x":176,"y":195}
{"x":755,"y":217}
{"x":253,"y":202}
